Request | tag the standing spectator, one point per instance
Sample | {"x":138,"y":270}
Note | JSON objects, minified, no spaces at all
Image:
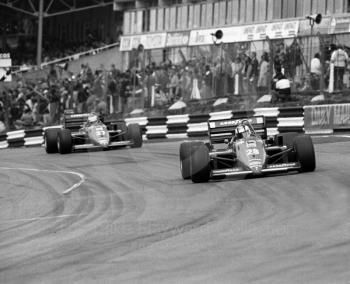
{"x":35,"y":112}
{"x":54,"y":103}
{"x":208,"y":82}
{"x":43,"y":108}
{"x":255,"y":73}
{"x":340,"y":59}
{"x":149,"y":83}
{"x":264,"y":73}
{"x":237,"y":68}
{"x":98,"y":85}
{"x":83,"y":94}
{"x":162,"y":80}
{"x":229,"y":77}
{"x":219,"y":77}
{"x":247,"y":73}
{"x":195,"y":94}
{"x":112,"y":89}
{"x":186,"y":84}
{"x":114,"y":71}
{"x":173,"y":86}
{"x":125,"y":90}
{"x":315,"y":70}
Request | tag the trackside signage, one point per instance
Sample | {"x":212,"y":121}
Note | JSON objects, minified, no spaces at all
{"x":327,"y":117}
{"x":234,"y":122}
{"x":177,"y":39}
{"x":245,"y":33}
{"x":149,"y":41}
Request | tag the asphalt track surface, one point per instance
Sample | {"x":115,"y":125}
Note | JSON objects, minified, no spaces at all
{"x":128,"y":217}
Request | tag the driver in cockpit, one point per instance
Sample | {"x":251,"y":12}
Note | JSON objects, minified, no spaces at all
{"x":242,"y":131}
{"x":92,"y":119}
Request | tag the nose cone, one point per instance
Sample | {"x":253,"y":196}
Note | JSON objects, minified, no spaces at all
{"x":103,"y":143}
{"x":256,"y":168}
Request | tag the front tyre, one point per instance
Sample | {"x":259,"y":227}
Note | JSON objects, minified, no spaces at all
{"x":50,"y":140}
{"x":64,"y":141}
{"x":200,"y":163}
{"x":134,"y":134}
{"x":305,"y":153}
{"x":185,"y":158}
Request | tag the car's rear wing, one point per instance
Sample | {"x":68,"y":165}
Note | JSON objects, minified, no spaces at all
{"x":73,"y":121}
{"x":222,"y":130}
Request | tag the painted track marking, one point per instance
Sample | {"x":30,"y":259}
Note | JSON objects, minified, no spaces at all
{"x":74,"y":186}
{"x":42,"y":218}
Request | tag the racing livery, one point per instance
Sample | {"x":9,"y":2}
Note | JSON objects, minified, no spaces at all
{"x":241,"y":147}
{"x":86,"y":131}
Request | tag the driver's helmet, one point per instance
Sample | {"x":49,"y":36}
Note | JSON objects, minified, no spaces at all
{"x":92,"y":118}
{"x":242,"y":131}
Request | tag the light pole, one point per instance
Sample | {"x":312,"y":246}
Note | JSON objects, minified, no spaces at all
{"x":40,"y":33}
{"x":217,"y":36}
{"x":316,"y":18}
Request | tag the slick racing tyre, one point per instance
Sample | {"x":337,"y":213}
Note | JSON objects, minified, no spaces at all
{"x":135,"y":135}
{"x":185,"y":158}
{"x":305,"y":153}
{"x":50,"y":140}
{"x":200,"y":163}
{"x":64,"y":141}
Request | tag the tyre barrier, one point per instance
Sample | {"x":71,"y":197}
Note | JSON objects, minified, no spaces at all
{"x":278,"y":120}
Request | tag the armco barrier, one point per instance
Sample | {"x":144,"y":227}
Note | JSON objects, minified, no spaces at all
{"x":278,"y":120}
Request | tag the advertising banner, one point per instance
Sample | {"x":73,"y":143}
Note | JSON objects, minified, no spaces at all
{"x":247,"y":33}
{"x":202,"y":37}
{"x":282,"y":29}
{"x":324,"y":117}
{"x":149,"y":41}
{"x":339,"y":25}
{"x":177,"y":39}
{"x":154,"y":41}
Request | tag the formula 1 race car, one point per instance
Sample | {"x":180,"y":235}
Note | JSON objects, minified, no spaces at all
{"x":246,"y":151}
{"x":86,"y":131}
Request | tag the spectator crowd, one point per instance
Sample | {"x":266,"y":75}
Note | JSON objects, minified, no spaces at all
{"x":157,"y":86}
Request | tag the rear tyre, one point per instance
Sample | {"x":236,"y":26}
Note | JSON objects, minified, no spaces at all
{"x":200,"y":163}
{"x":50,"y":140}
{"x":185,"y":158}
{"x":64,"y":141}
{"x":305,"y":153}
{"x":135,"y":135}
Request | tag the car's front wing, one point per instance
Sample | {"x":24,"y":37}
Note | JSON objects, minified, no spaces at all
{"x":110,"y":145}
{"x":272,"y":168}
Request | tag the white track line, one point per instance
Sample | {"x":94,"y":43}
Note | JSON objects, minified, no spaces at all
{"x":76,"y":185}
{"x":42,"y":218}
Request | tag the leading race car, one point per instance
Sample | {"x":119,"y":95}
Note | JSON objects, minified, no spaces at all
{"x":235,"y":147}
{"x":86,"y":131}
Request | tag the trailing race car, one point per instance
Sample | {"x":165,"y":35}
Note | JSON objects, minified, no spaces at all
{"x":86,"y":131}
{"x":246,"y":151}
